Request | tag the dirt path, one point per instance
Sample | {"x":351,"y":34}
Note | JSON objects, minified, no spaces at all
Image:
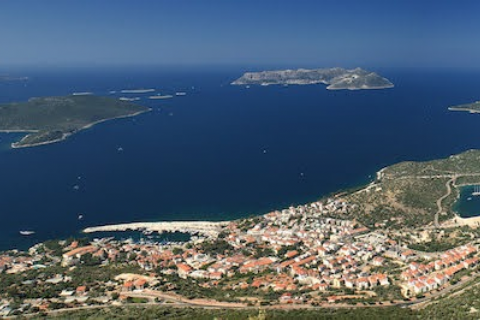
{"x":439,"y":201}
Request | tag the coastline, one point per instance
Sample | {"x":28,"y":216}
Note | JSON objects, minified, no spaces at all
{"x":361,"y":88}
{"x":470,"y":221}
{"x":464,"y":109}
{"x":329,"y":86}
{"x":15,"y":145}
{"x":18,"y":131}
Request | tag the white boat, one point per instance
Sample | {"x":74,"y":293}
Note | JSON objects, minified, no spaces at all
{"x":180,"y":93}
{"x":26,"y":233}
{"x":80,"y":216}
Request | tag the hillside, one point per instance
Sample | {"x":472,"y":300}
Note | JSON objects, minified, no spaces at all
{"x":52,"y":119}
{"x":406,"y":194}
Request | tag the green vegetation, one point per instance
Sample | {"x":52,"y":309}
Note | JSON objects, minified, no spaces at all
{"x":435,"y":245}
{"x":17,"y":285}
{"x":159,"y":312}
{"x":406,"y":193}
{"x":50,"y":119}
{"x":463,"y":305}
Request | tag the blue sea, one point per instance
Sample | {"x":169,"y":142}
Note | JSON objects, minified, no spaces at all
{"x":467,"y":205}
{"x":220,"y":152}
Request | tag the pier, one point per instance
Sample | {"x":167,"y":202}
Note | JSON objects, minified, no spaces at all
{"x":205,"y":228}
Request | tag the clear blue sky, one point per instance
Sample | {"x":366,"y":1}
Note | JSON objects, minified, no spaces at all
{"x":260,"y":32}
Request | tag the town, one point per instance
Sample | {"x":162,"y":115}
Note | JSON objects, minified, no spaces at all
{"x":302,"y":255}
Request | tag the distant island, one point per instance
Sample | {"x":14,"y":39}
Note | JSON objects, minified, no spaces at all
{"x":473,"y":107}
{"x":53,"y":119}
{"x":6,"y":78}
{"x":137,"y":90}
{"x":335,"y":78}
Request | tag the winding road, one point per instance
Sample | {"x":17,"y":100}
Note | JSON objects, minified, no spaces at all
{"x":439,"y":201}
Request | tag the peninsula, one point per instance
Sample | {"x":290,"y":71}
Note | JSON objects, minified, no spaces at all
{"x":473,"y":107}
{"x":335,"y":78}
{"x":53,"y":119}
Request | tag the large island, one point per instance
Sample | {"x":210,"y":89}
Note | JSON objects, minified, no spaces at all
{"x":335,"y":78}
{"x":52,"y":119}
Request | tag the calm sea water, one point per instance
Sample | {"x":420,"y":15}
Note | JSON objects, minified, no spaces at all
{"x":467,"y":205}
{"x":221,"y":151}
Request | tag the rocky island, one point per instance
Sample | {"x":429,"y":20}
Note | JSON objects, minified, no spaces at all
{"x":335,"y":78}
{"x":53,"y":119}
{"x":473,"y":107}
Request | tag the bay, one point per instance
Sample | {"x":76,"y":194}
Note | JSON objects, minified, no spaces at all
{"x":220,"y":152}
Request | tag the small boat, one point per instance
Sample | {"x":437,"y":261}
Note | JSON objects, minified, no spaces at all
{"x":80,"y":216}
{"x":476,"y":191}
{"x":469,"y":198}
{"x":26,"y":233}
{"x":76,"y":187}
{"x":119,"y":149}
{"x":180,"y":93}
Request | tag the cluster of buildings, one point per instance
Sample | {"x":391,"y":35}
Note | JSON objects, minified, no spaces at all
{"x":421,"y":278}
{"x":297,"y":249}
{"x":294,"y":252}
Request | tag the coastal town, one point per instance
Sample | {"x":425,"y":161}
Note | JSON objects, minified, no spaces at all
{"x":299,"y":256}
